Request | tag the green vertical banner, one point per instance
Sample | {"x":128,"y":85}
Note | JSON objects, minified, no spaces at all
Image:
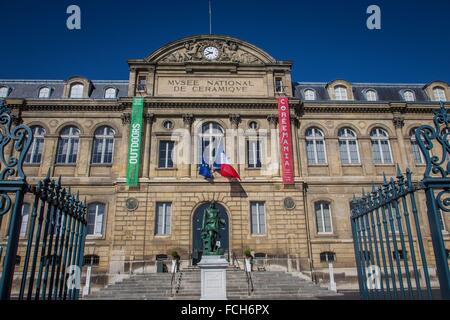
{"x":134,"y":150}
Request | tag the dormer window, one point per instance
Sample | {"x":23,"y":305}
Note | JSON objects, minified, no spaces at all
{"x":371,"y":95}
{"x":111,"y":93}
{"x":340,"y":93}
{"x":279,"y":85}
{"x":4,"y":92}
{"x":44,"y":93}
{"x":409,"y":96}
{"x":439,"y":94}
{"x":76,"y":91}
{"x":142,"y":83}
{"x":310,"y":94}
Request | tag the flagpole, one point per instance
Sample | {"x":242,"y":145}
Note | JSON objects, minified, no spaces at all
{"x":210,"y":18}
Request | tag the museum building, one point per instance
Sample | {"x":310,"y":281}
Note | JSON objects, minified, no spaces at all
{"x":140,"y":173}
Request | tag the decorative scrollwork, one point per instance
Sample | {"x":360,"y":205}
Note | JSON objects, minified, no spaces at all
{"x":5,"y":203}
{"x":21,"y":136}
{"x":434,"y":144}
{"x":443,"y":200}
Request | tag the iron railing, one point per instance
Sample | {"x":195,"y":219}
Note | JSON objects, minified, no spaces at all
{"x":56,"y":228}
{"x":386,"y":226}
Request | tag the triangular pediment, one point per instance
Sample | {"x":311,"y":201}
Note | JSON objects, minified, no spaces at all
{"x":192,"y":50}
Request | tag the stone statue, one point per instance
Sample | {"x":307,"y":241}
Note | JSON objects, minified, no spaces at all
{"x":210,"y":230}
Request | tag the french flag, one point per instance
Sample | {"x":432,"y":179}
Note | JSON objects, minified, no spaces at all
{"x":223,"y":166}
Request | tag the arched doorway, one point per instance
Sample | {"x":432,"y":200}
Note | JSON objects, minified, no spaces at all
{"x":197,"y":219}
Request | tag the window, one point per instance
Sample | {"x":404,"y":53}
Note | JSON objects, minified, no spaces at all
{"x":442,"y":221}
{"x":4,"y":92}
{"x":96,"y":212}
{"x":323,"y":217}
{"x":34,"y":155}
{"x":163,"y":218}
{"x":348,"y":146}
{"x":279,"y":85}
{"x":340,"y":93}
{"x":439,"y":94}
{"x":381,"y":148}
{"x":25,"y":216}
{"x":408,"y":95}
{"x":76,"y":91}
{"x":371,"y":95}
{"x":258,"y":217}
{"x":253,"y":125}
{"x":310,"y":94}
{"x":211,"y":138}
{"x":418,"y":157}
{"x":254,"y":153}
{"x":103,"y":147}
{"x":166,"y":154}
{"x":44,"y":93}
{"x":68,"y":146}
{"x":91,"y":260}
{"x":111,"y":93}
{"x":142,"y":83}
{"x":315,"y":146}
{"x":168,"y":125}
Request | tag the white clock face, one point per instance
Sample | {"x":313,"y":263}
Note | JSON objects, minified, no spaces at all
{"x":211,"y":53}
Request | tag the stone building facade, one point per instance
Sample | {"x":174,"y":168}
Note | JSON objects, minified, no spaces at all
{"x":344,"y":137}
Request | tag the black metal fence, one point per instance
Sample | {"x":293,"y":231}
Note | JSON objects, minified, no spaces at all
{"x":55,"y":231}
{"x":387,"y":229}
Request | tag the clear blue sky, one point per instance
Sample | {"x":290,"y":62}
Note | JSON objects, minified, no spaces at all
{"x":325,"y":39}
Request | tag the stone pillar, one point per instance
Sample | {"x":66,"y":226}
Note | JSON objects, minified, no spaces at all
{"x":49,"y":154}
{"x":235,"y":120}
{"x":188,"y":120}
{"x":126,"y":120}
{"x":83,"y":156}
{"x":399,"y":123}
{"x":274,"y":149}
{"x":132,"y":82}
{"x":149,"y":119}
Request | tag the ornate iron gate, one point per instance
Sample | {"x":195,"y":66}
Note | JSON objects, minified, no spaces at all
{"x":386,"y":224}
{"x":56,"y":225}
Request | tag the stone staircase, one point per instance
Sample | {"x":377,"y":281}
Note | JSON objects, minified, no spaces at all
{"x":268,"y":285}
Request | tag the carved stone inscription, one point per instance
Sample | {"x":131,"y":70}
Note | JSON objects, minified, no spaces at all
{"x":216,"y":86}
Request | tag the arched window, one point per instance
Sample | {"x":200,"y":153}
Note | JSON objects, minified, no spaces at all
{"x":211,"y":138}
{"x":111,"y":93}
{"x":340,"y":93}
{"x":44,"y":93}
{"x":409,"y":96}
{"x":68,"y":145}
{"x":103,"y":146}
{"x":323,"y":217}
{"x":310,"y":94}
{"x":315,"y":146}
{"x":381,"y":147}
{"x":25,"y":216}
{"x":4,"y":92}
{"x":371,"y":95}
{"x":96,"y":212}
{"x":76,"y":91}
{"x":418,"y":157}
{"x":348,"y":146}
{"x":34,"y":155}
{"x":439,"y":94}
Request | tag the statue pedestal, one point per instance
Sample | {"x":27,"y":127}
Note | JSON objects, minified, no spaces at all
{"x":214,"y":277}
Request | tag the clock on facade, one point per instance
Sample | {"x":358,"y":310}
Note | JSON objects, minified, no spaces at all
{"x":211,"y":53}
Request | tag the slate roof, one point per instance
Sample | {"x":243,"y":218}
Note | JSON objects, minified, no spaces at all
{"x":29,"y":89}
{"x":385,"y":92}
